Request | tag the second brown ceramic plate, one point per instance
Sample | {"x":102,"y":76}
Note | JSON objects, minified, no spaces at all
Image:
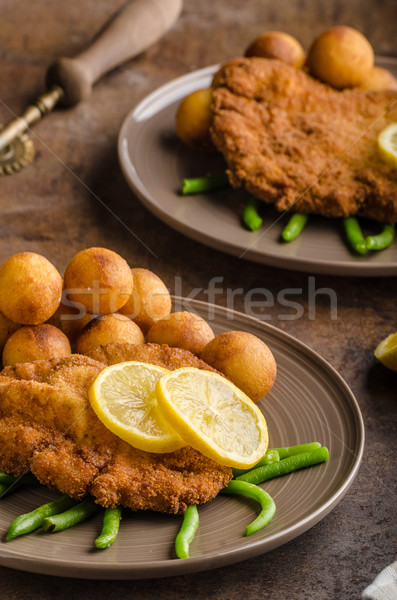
{"x":309,"y":402}
{"x":154,"y":163}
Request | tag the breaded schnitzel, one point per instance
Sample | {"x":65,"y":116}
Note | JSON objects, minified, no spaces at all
{"x":154,"y":354}
{"x":48,"y":426}
{"x":295,"y":142}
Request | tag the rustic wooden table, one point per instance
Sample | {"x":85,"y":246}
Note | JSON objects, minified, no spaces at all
{"x":74,"y":196}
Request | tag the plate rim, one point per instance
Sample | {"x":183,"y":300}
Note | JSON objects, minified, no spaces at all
{"x":313,"y":265}
{"x":174,"y":567}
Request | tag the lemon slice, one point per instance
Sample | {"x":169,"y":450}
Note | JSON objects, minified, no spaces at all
{"x":386,"y":351}
{"x":387,"y":145}
{"x":124,"y":399}
{"x":213,"y":416}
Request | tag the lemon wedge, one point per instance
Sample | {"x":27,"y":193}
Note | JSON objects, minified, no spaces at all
{"x":387,"y":145}
{"x":213,"y":416}
{"x":386,"y":351}
{"x":124,"y":399}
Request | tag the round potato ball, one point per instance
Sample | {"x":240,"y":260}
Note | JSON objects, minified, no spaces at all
{"x":379,"y":79}
{"x":182,"y":330}
{"x":100,"y":279}
{"x":150,"y":299}
{"x":341,"y":56}
{"x":193,"y":119}
{"x":30,"y":288}
{"x":70,"y":319}
{"x":106,"y":329}
{"x":7,"y":328}
{"x":245,"y":360}
{"x":277,"y":44}
{"x":35,"y":342}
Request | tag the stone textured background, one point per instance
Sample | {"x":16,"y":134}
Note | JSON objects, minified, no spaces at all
{"x":53,"y":208}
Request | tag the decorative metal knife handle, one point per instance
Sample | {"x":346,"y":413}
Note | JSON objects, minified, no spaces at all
{"x":44,"y":104}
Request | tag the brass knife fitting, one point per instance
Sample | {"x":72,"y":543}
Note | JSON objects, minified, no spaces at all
{"x":34,"y":113}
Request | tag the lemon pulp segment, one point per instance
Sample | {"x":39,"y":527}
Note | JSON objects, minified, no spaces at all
{"x":386,"y":351}
{"x":124,"y":399}
{"x":213,"y":416}
{"x":387,"y":144}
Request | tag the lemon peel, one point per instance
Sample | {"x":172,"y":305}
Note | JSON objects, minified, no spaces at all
{"x":213,"y":416}
{"x":124,"y":399}
{"x":387,"y":144}
{"x":386,"y":351}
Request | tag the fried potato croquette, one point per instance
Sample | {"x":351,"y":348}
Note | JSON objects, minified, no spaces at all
{"x":245,"y":360}
{"x":277,"y":44}
{"x":106,"y":329}
{"x":341,"y":56}
{"x":100,"y":279}
{"x":379,"y":79}
{"x":182,"y":330}
{"x":70,"y":319}
{"x":35,"y":342}
{"x":7,"y":328}
{"x":30,"y":288}
{"x":192,"y":120}
{"x":150,"y":299}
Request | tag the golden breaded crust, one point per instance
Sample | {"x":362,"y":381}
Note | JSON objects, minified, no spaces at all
{"x":295,"y":142}
{"x":48,"y":425}
{"x":161,"y":355}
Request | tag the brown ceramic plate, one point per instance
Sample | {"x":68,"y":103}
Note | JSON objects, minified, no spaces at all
{"x":154,"y":163}
{"x":308,"y":402}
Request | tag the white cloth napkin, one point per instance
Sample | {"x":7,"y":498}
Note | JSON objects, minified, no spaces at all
{"x":384,"y":587}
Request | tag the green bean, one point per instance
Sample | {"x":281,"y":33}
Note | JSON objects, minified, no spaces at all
{"x":271,"y":456}
{"x":286,"y":465}
{"x":294,"y":227}
{"x":22,"y":480}
{"x":110,"y":528}
{"x":5,"y":478}
{"x":25,"y":479}
{"x":251,"y":218}
{"x":275,"y":454}
{"x":382,"y":240}
{"x":267,"y":503}
{"x":355,"y":235}
{"x":32,"y":520}
{"x":208,"y":183}
{"x":78,"y":513}
{"x":286,"y":451}
{"x":3,"y":488}
{"x":187,"y":531}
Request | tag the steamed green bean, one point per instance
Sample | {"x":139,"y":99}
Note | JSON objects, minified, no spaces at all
{"x":286,"y":465}
{"x":187,"y":531}
{"x":110,"y":528}
{"x":32,"y":520}
{"x":76,"y":514}
{"x":268,"y":506}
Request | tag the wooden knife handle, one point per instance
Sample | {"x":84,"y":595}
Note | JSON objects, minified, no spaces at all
{"x":130,"y":31}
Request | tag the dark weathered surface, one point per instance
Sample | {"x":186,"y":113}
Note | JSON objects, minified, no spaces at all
{"x":65,"y":201}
